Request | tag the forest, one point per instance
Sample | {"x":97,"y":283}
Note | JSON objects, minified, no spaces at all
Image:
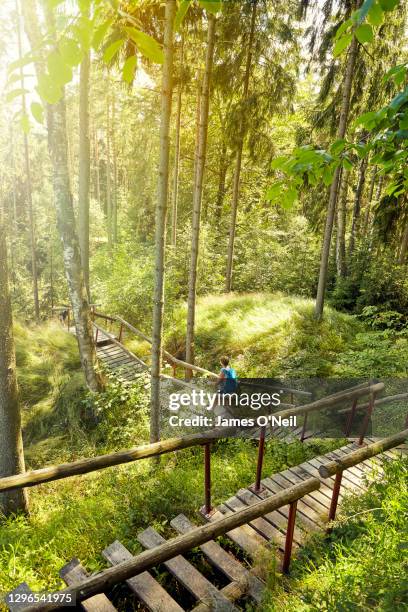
{"x":184,"y":182}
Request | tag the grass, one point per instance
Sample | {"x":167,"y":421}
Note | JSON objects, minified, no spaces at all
{"x":274,"y":335}
{"x":267,"y":335}
{"x":363,"y":565}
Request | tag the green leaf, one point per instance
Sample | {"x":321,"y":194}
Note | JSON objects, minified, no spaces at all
{"x":341,"y":29}
{"x":100,"y":33}
{"x":367,"y":119}
{"x":84,"y":31}
{"x":147,"y":45}
{"x":289,"y":198}
{"x":129,"y":69}
{"x":364,"y":33}
{"x":388,"y":5}
{"x":59,"y":71}
{"x":48,"y":89}
{"x":375,"y":15}
{"x":20,"y":63}
{"x":70,"y":51}
{"x":25,"y":123}
{"x":279,"y":162}
{"x":112,"y":50}
{"x":347,"y":165}
{"x":211,"y":6}
{"x":338,"y":146}
{"x":181,"y":13}
{"x":403,"y":122}
{"x":15,"y":94}
{"x":37,"y":111}
{"x":342,"y":44}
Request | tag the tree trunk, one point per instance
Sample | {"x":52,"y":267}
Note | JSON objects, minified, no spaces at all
{"x":97,"y":169}
{"x":357,"y":207}
{"x":115,"y":176}
{"x":238,"y":161}
{"x":84,"y":167}
{"x":341,"y":226}
{"x":198,"y":191}
{"x":58,"y":146}
{"x":11,"y":442}
{"x":369,"y":201}
{"x":221,"y":180}
{"x":161,"y":212}
{"x":404,"y":245}
{"x":177,"y":155}
{"x":108,"y":173}
{"x":345,"y":107}
{"x":29,"y":190}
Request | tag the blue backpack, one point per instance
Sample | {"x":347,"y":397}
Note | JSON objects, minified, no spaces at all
{"x":230,"y":382}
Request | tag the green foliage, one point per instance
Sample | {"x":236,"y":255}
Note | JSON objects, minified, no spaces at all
{"x":362,"y":564}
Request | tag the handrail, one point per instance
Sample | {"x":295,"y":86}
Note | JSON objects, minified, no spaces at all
{"x":115,"y":341}
{"x":361,"y":454}
{"x":332,"y":400}
{"x":84,"y":466}
{"x":175,"y":360}
{"x":179,"y":545}
{"x":380,"y":402}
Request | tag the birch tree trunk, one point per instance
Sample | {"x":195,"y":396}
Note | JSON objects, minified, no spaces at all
{"x":357,"y":207}
{"x":161,"y":212}
{"x":222,"y":176}
{"x":29,"y":189}
{"x":58,"y":148}
{"x":341,"y":225}
{"x":177,"y":155}
{"x":341,"y":131}
{"x":11,"y":442}
{"x":238,"y":161}
{"x":84,"y":167}
{"x":369,"y":201}
{"x":198,"y":189}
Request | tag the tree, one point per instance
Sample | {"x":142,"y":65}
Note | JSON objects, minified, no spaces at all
{"x":11,"y":442}
{"x":177,"y":152}
{"x":84,"y":167}
{"x":357,"y":206}
{"x":341,"y":225}
{"x":198,"y":188}
{"x":58,"y":148}
{"x":29,"y":189}
{"x":161,"y":213}
{"x":238,"y":161}
{"x":331,"y":207}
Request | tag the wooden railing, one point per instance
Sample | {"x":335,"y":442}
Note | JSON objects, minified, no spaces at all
{"x":148,"y":559}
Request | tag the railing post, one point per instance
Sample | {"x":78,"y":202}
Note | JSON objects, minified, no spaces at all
{"x":350,"y":418}
{"x":207,"y":509}
{"x":120,"y":332}
{"x":68,"y":320}
{"x":96,"y":336}
{"x":335,"y":497}
{"x":302,"y":435}
{"x":289,"y":537}
{"x":367,"y":418}
{"x":261,"y":451}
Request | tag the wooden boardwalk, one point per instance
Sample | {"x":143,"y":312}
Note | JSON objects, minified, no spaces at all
{"x":230,"y":579}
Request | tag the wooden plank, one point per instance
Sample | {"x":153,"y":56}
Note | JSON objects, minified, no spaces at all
{"x":307,"y":510}
{"x":301,"y":473}
{"x":277,"y":520}
{"x":187,"y":574}
{"x":319,"y":508}
{"x":327,"y":485}
{"x":347,"y":481}
{"x":244,"y":537}
{"x":294,"y":478}
{"x":260,"y":525}
{"x":74,"y":573}
{"x":307,"y":515}
{"x":223,"y":560}
{"x":147,"y":589}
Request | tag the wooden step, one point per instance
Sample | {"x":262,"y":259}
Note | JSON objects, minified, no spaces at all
{"x":223,"y":561}
{"x":245,"y":536}
{"x":145,"y":587}
{"x":74,"y":573}
{"x":188,"y":575}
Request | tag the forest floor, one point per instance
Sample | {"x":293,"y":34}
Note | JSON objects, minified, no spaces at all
{"x":80,"y":516}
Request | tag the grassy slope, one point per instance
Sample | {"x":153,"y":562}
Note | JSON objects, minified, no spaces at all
{"x":78,"y":517}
